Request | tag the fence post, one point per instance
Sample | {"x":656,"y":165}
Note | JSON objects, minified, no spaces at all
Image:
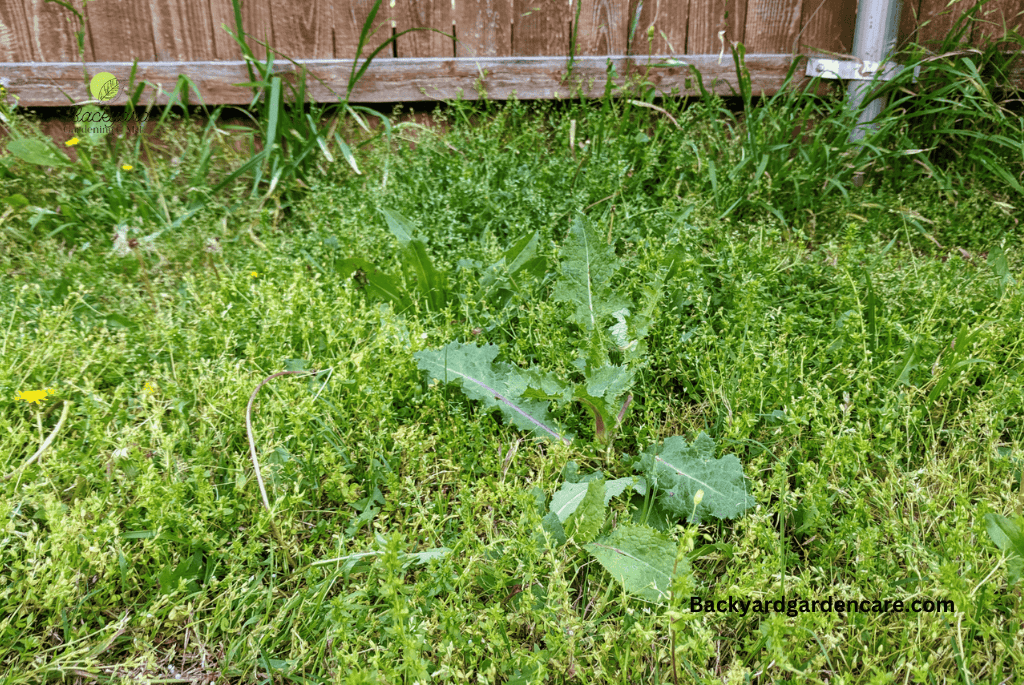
{"x":874,"y":38}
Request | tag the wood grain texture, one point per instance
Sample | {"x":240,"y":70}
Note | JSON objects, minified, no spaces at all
{"x":304,"y":29}
{"x":53,"y":36}
{"x":667,"y":18}
{"x":15,"y":33}
{"x":602,"y":27}
{"x":707,"y":19}
{"x":120,"y":30}
{"x":772,"y":26}
{"x":222,"y":16}
{"x":938,"y":17}
{"x":432,"y":14}
{"x":540,"y":27}
{"x":257,"y":19}
{"x":349,"y":18}
{"x":182,"y":30}
{"x":996,"y":18}
{"x":827,"y":26}
{"x":909,"y":20}
{"x":483,"y":28}
{"x":405,"y":80}
{"x":256,"y":22}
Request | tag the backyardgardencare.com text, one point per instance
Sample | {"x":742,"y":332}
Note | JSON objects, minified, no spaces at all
{"x":792,"y":607}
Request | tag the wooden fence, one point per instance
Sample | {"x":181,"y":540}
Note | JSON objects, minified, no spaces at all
{"x":498,"y":47}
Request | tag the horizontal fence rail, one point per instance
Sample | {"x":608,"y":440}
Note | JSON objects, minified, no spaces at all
{"x":507,"y":46}
{"x":410,"y":80}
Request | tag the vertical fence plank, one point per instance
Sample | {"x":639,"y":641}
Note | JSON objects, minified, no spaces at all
{"x":222,"y":15}
{"x":304,"y":28}
{"x":938,"y":17}
{"x":183,"y":30}
{"x":996,"y":18}
{"x":909,"y":20}
{"x":668,"y":18}
{"x":52,"y":31}
{"x":349,"y":17}
{"x":15,"y":32}
{"x":256,"y":23}
{"x":772,"y":26}
{"x":540,"y":27}
{"x":431,"y":14}
{"x":483,"y":28}
{"x":827,"y":26}
{"x":602,"y":27}
{"x":708,"y":19}
{"x":120,"y":30}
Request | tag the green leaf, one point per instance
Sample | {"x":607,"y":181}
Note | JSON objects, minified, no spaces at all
{"x":400,"y":226}
{"x":553,"y":525}
{"x":427,"y":280}
{"x":570,"y":495}
{"x":602,"y":393}
{"x":640,"y":558}
{"x":17,"y":201}
{"x":37,"y":152}
{"x":1008,"y":537}
{"x":588,"y":266}
{"x":497,"y":385}
{"x":416,"y":260}
{"x":585,"y":523}
{"x":374,"y":281}
{"x":97,"y":122}
{"x":681,"y":470}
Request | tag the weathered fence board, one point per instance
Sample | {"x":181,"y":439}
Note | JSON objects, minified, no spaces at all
{"x":772,"y":26}
{"x":306,"y":30}
{"x":998,"y":16}
{"x":827,"y":26}
{"x":429,"y":14}
{"x":117,"y":29}
{"x":349,"y":18}
{"x":406,"y":80}
{"x":937,"y":18}
{"x":705,"y":22}
{"x":540,"y":27}
{"x":483,"y":28}
{"x":182,"y":30}
{"x":668,"y":18}
{"x":170,"y":35}
{"x":602,"y":27}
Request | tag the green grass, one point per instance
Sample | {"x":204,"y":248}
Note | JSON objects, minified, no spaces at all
{"x":859,"y":350}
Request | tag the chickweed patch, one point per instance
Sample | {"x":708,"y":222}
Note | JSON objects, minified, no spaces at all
{"x":575,"y":368}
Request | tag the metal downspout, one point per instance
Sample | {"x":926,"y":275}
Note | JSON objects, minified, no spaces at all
{"x":874,"y":39}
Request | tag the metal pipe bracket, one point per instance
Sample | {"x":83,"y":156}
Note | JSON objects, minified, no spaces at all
{"x":855,"y":69}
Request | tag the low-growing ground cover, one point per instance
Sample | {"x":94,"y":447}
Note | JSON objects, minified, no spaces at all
{"x":490,"y":318}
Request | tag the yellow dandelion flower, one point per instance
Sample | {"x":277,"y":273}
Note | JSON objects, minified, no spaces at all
{"x":254,"y":274}
{"x":127,"y":167}
{"x":150,"y":388}
{"x":35,"y":396}
{"x":74,"y":141}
